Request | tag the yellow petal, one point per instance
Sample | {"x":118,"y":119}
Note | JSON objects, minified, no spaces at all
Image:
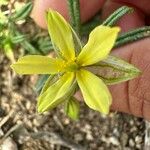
{"x":36,"y":64}
{"x":95,"y":92}
{"x":101,"y":41}
{"x":61,"y":34}
{"x":55,"y":94}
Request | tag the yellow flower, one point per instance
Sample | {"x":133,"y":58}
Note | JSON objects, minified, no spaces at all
{"x":71,"y":66}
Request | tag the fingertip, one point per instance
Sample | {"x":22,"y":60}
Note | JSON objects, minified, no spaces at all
{"x":143,"y":5}
{"x":133,"y":96}
{"x":127,"y":22}
{"x":146,"y":110}
{"x":88,"y":9}
{"x":40,"y":8}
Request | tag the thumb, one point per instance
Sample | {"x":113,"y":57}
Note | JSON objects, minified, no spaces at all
{"x":134,"y":96}
{"x":128,"y":21}
{"x":88,"y":9}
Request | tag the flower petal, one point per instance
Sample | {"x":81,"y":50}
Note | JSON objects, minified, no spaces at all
{"x":55,"y":94}
{"x":36,"y":64}
{"x":101,"y":41}
{"x":61,"y":34}
{"x":95,"y":92}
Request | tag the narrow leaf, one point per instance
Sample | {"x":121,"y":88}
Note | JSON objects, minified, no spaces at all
{"x":44,"y":45}
{"x":27,"y":45}
{"x":40,"y":82}
{"x":133,"y":35}
{"x":74,"y":12}
{"x":18,"y":39}
{"x":113,"y":18}
{"x":23,"y":12}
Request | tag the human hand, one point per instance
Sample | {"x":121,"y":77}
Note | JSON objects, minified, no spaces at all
{"x":133,"y":96}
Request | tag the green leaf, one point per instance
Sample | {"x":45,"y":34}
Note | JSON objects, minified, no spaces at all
{"x":113,"y":18}
{"x":27,"y":45}
{"x":74,"y":12}
{"x":56,"y":93}
{"x":45,"y":81}
{"x":44,"y":45}
{"x":18,"y":39}
{"x":133,"y":35}
{"x":40,"y":82}
{"x":114,"y":70}
{"x":23,"y":12}
{"x":72,"y":108}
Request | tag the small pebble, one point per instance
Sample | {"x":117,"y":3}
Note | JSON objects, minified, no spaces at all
{"x":9,"y":144}
{"x":78,"y":137}
{"x":138,"y":147}
{"x":36,"y":122}
{"x":1,"y":133}
{"x":116,"y":132}
{"x":131,"y":143}
{"x":28,"y":105}
{"x":66,"y":121}
{"x":87,"y":127}
{"x":133,"y":129}
{"x":89,"y":136}
{"x":124,"y":139}
{"x":114,"y":141}
{"x":138,"y":139}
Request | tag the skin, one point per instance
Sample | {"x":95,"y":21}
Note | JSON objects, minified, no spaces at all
{"x":131,"y":97}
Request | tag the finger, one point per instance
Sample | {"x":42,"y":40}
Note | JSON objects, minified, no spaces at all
{"x":127,"y":22}
{"x":134,"y":96}
{"x":88,"y":9}
{"x":143,"y":5}
{"x":147,"y":19}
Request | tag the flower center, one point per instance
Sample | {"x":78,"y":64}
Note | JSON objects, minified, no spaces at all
{"x":71,"y":66}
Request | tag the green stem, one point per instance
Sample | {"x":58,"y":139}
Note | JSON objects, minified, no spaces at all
{"x":76,"y":7}
{"x":132,"y":36}
{"x":113,"y":18}
{"x":71,"y":12}
{"x":74,"y":11}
